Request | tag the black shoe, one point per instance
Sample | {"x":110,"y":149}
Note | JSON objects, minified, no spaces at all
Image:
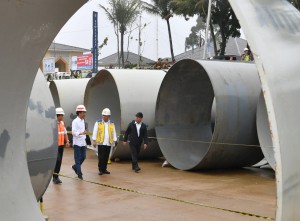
{"x":80,"y":177}
{"x":134,"y":165}
{"x":106,"y":172}
{"x":74,"y":168}
{"x":56,"y":180}
{"x":100,"y":173}
{"x":137,"y":169}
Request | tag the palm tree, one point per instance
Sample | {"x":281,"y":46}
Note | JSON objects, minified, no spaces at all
{"x":121,"y":14}
{"x":162,"y":8}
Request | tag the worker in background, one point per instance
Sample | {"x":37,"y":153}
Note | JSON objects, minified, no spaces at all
{"x":62,"y":140}
{"x":246,"y":55}
{"x":158,"y":64}
{"x":166,"y":64}
{"x":79,"y":135}
{"x":136,"y":133}
{"x":105,"y":137}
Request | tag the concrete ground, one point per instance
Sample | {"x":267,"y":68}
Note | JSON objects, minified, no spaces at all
{"x":157,"y":193}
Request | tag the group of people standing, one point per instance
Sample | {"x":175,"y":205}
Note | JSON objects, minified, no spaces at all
{"x":104,"y":138}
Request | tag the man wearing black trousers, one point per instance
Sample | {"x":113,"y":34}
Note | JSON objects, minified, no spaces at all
{"x":104,"y":135}
{"x":136,"y":133}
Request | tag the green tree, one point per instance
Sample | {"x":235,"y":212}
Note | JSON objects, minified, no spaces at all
{"x":121,"y":14}
{"x":164,"y":9}
{"x":222,"y":18}
{"x":196,"y":38}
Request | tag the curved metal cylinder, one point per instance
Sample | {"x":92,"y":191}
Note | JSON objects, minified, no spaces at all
{"x":27,"y":28}
{"x":264,"y":133}
{"x":268,"y":23}
{"x":68,"y":94}
{"x":184,"y":112}
{"x":41,"y":136}
{"x":125,"y":92}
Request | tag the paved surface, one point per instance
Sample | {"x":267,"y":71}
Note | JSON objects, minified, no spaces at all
{"x":246,"y":190}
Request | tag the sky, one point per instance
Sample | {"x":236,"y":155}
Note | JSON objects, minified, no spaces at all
{"x":78,"y":32}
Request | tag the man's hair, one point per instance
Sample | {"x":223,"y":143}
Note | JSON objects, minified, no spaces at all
{"x":78,"y":112}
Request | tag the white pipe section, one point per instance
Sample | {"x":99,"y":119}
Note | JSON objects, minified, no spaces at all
{"x":264,"y":133}
{"x":125,"y":92}
{"x":68,"y":94}
{"x":272,"y":28}
{"x":27,"y":29}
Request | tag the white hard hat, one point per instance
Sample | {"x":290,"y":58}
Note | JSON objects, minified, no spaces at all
{"x":80,"y":108}
{"x":106,"y":112}
{"x":246,"y":49}
{"x":59,"y":110}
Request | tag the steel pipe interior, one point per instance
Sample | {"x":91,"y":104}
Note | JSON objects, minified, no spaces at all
{"x":68,"y":94}
{"x":125,"y":92}
{"x":41,"y":136}
{"x":184,"y":115}
{"x":264,"y":133}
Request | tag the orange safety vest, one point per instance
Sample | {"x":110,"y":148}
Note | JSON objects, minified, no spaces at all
{"x":61,"y":133}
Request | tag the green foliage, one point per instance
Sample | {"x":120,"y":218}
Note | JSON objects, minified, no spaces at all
{"x":164,"y":9}
{"x":222,"y":17}
{"x":121,"y":14}
{"x":195,"y":38}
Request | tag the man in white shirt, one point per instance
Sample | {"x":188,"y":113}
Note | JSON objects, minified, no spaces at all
{"x":79,"y":134}
{"x":104,"y":136}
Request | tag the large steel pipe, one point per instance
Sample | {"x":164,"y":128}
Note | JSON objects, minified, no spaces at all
{"x":125,"y":92}
{"x":264,"y":133}
{"x":268,"y":23}
{"x":27,"y":29}
{"x":41,"y":136}
{"x":184,"y":110}
{"x":68,"y":94}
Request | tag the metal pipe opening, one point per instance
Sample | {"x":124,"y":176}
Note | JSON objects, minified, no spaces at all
{"x":184,"y":115}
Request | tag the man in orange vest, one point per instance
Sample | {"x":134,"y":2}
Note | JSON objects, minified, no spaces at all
{"x":62,"y":138}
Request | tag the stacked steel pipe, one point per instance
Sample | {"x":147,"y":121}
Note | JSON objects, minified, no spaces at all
{"x":125,"y":92}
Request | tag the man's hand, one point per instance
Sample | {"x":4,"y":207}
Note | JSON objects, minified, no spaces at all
{"x":83,"y":133}
{"x":145,"y":146}
{"x":68,"y":144}
{"x":94,"y":143}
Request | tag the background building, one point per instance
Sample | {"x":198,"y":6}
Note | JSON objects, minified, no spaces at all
{"x":63,"y":55}
{"x":235,"y":46}
{"x":129,"y":59}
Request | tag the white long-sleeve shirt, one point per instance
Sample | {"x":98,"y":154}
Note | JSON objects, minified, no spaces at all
{"x":106,"y":134}
{"x":78,"y":127}
{"x":138,"y":127}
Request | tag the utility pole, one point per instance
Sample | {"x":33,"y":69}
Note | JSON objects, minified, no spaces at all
{"x":207,"y":27}
{"x":156,"y":37}
{"x":139,"y":46}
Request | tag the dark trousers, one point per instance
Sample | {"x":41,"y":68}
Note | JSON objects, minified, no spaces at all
{"x":60,"y":153}
{"x":135,"y":150}
{"x":79,"y":156}
{"x":103,"y":154}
